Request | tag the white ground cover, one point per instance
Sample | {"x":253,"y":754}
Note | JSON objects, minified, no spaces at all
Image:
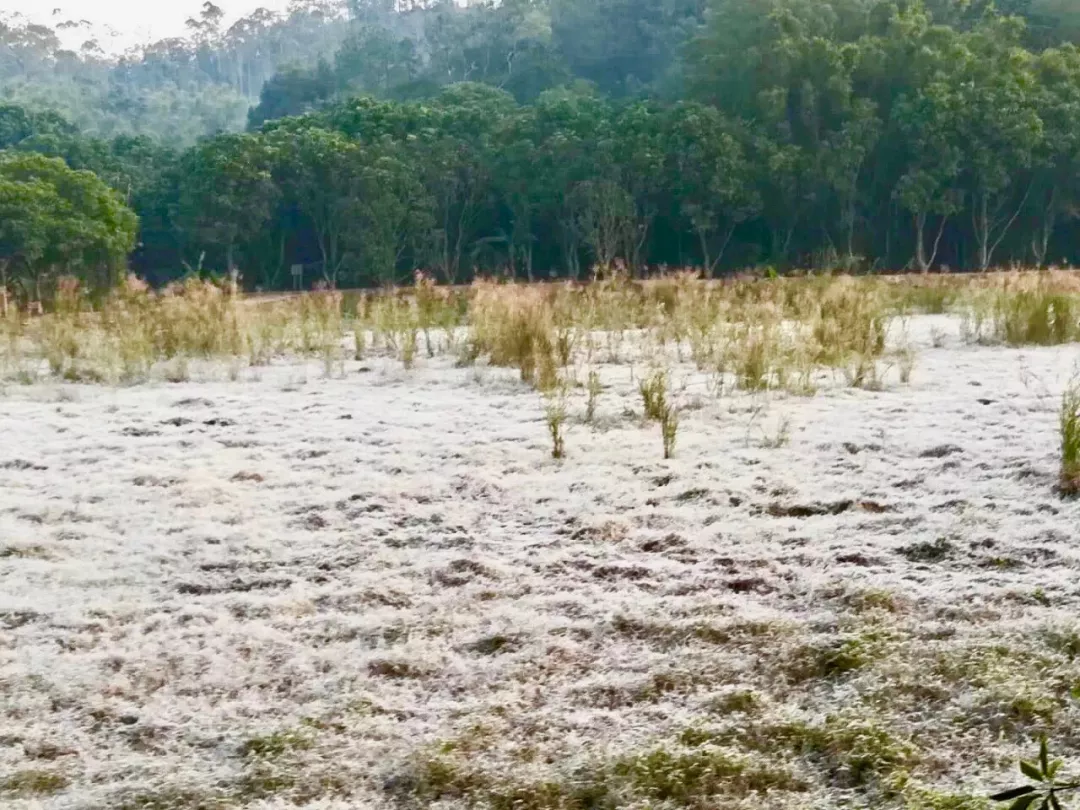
{"x":289,"y":587}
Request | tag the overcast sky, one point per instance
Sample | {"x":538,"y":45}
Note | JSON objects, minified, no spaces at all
{"x":135,"y":21}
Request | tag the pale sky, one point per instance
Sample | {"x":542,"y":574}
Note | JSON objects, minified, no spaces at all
{"x":134,"y":22}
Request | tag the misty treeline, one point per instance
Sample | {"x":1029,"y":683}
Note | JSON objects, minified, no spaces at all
{"x":539,"y":138}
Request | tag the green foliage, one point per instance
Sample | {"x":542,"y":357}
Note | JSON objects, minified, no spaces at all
{"x":175,"y":90}
{"x":654,"y":392}
{"x":56,"y":220}
{"x":1048,"y":787}
{"x":695,"y":777}
{"x":555,"y":416}
{"x":276,"y":744}
{"x":227,"y":194}
{"x":688,"y":778}
{"x":543,"y":139}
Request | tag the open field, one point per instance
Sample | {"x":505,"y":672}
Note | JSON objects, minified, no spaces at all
{"x":308,"y":574}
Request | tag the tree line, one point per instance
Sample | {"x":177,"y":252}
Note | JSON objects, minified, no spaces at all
{"x":555,"y":135}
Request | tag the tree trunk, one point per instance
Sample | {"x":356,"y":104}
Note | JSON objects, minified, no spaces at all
{"x":711,"y":263}
{"x":851,"y":232}
{"x":324,"y":251}
{"x":980,"y":220}
{"x":707,"y":264}
{"x":937,"y":239}
{"x":985,"y":225}
{"x":459,"y":243}
{"x":920,"y":246}
{"x":636,"y":246}
{"x":573,"y":262}
{"x":1040,"y":241}
{"x":781,"y":241}
{"x":3,"y":288}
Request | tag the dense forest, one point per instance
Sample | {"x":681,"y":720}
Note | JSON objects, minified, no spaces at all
{"x":540,"y":138}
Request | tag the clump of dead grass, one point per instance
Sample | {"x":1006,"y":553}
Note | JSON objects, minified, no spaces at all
{"x":593,"y":389}
{"x":555,"y":413}
{"x":514,"y":326}
{"x":669,"y":428}
{"x":1022,"y":309}
{"x":29,"y":783}
{"x":124,"y":336}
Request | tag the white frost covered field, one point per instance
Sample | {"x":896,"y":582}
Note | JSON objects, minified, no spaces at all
{"x":289,"y":588}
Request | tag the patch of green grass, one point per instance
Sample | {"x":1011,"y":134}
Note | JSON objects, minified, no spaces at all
{"x":699,"y":770}
{"x":1025,"y":710}
{"x":1064,"y":640}
{"x":932,"y":299}
{"x":917,"y":798}
{"x":664,"y":634}
{"x":853,"y":750}
{"x":33,"y":783}
{"x":691,"y":778}
{"x":1039,"y":317}
{"x":262,"y":782}
{"x":742,"y":700}
{"x":172,"y":798}
{"x":276,"y":744}
{"x":858,"y":751}
{"x":872,"y":599}
{"x":981,"y":666}
{"x":1003,"y":563}
{"x":299,"y":785}
{"x":832,"y":658}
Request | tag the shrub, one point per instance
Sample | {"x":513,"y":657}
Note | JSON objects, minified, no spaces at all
{"x":555,"y":415}
{"x":653,"y":391}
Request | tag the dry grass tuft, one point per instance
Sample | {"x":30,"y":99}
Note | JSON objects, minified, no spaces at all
{"x":555,"y":416}
{"x":654,"y":395}
{"x":514,"y":326}
{"x":1022,"y":309}
{"x":1069,"y":429}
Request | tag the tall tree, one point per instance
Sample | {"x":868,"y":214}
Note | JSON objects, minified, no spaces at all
{"x":227,"y":194}
{"x":54,"y":220}
{"x":710,"y":176}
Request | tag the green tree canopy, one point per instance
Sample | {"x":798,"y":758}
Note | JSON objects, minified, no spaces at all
{"x":55,"y":220}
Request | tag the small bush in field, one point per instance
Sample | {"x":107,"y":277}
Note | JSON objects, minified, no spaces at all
{"x":555,"y":416}
{"x":653,"y":391}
